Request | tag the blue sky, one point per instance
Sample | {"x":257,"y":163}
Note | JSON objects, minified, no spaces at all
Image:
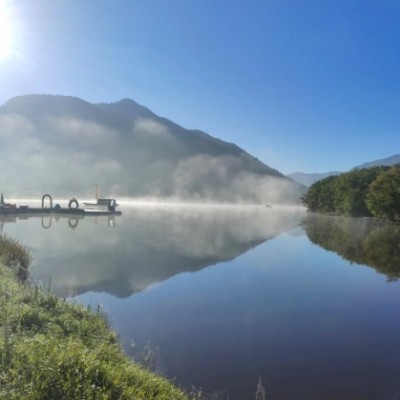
{"x":311,"y":85}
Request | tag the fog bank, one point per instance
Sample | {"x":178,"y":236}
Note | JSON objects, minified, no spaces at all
{"x":66,"y":154}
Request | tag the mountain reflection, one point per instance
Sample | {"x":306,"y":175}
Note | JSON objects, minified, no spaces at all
{"x":360,"y":240}
{"x":145,"y":245}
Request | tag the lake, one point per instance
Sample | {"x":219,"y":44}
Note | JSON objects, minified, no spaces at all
{"x":227,"y":295}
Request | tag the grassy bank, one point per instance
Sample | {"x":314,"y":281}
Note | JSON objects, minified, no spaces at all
{"x":52,"y":349}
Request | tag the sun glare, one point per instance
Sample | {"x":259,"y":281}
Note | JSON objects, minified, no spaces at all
{"x":6,"y":31}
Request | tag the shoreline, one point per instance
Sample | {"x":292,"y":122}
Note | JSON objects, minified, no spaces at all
{"x":51,"y":348}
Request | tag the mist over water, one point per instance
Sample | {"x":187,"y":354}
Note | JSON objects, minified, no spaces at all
{"x":147,"y":244}
{"x":228,"y":294}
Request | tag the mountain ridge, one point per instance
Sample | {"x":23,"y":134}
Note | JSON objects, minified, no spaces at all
{"x":308,"y":179}
{"x":395,"y":159}
{"x":65,"y":145}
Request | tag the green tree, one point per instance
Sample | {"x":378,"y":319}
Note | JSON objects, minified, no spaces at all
{"x":383,"y":197}
{"x":351,"y":191}
{"x":343,"y":194}
{"x":320,"y":196}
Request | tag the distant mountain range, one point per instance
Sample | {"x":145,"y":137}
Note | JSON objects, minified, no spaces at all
{"x":65,"y":146}
{"x":384,"y":161}
{"x":308,"y":179}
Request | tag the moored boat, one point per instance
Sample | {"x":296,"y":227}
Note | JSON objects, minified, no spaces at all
{"x":105,"y":206}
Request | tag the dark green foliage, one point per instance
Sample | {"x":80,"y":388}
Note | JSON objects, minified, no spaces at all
{"x":383,"y":198}
{"x":321,"y":196}
{"x":361,"y":192}
{"x":351,"y":189}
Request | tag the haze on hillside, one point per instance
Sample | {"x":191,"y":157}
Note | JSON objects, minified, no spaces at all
{"x":65,"y":146}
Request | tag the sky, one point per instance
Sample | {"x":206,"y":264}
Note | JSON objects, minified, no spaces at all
{"x":311,"y":85}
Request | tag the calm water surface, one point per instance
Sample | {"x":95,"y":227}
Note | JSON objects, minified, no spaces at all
{"x":226,"y":295}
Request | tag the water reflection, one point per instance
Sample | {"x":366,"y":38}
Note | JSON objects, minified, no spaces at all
{"x":287,"y":311}
{"x":149,"y":244}
{"x":359,"y":240}
{"x":47,"y":220}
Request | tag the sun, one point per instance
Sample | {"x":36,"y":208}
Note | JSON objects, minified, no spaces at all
{"x":6,"y":31}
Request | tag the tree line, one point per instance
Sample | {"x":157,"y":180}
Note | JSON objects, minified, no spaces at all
{"x":371,"y":192}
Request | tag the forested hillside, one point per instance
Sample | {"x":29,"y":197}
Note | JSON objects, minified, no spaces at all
{"x":361,"y":192}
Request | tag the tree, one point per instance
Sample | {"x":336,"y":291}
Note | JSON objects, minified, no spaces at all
{"x":320,"y":196}
{"x":383,"y":197}
{"x":342,"y":194}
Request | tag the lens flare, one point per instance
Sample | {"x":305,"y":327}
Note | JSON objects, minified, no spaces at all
{"x":6,"y":31}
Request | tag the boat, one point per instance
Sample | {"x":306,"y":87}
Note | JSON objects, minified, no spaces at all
{"x":102,"y":206}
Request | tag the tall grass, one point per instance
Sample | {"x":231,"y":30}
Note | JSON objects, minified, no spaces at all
{"x":14,"y":255}
{"x":53,"y":349}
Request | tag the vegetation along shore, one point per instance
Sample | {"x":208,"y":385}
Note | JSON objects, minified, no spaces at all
{"x":54,"y":349}
{"x":367,"y":192}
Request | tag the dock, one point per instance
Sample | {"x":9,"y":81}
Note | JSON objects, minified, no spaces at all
{"x":105,"y":207}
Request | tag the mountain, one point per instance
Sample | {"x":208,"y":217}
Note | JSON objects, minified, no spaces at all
{"x":307,"y":179}
{"x":384,"y":161}
{"x":64,"y":146}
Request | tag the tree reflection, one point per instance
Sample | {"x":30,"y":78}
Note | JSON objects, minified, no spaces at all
{"x":364,"y":241}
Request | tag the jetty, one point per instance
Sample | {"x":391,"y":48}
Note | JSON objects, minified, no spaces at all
{"x":100,"y":207}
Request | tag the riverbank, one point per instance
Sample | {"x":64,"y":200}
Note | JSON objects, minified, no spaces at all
{"x":54,"y":349}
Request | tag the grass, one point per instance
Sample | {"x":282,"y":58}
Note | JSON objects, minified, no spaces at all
{"x":53,"y":349}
